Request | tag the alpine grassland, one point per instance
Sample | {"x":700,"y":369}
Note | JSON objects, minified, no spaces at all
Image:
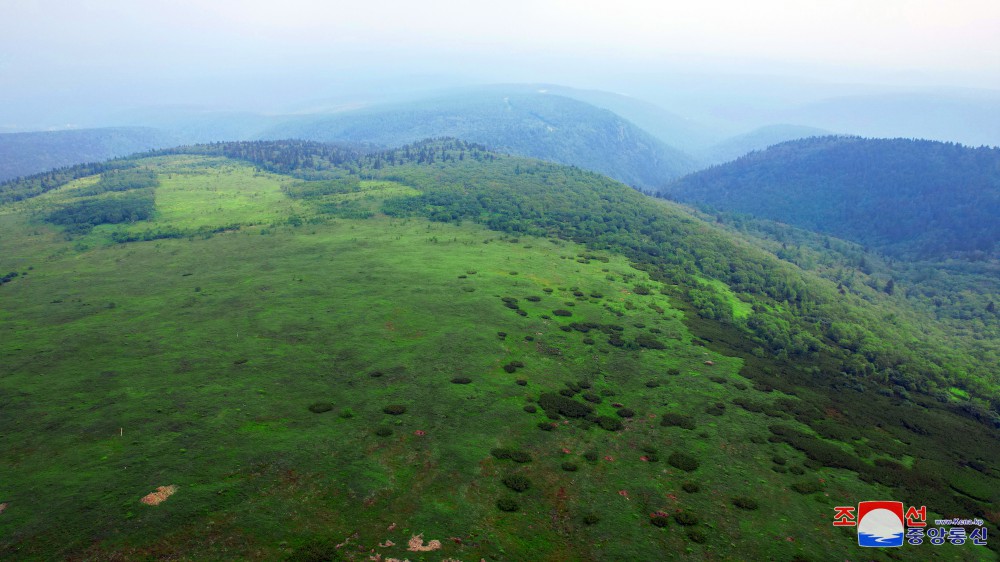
{"x":440,"y":352}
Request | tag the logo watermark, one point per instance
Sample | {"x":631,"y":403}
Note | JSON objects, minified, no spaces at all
{"x":886,"y":524}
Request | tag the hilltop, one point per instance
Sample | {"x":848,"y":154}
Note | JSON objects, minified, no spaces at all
{"x":308,"y":351}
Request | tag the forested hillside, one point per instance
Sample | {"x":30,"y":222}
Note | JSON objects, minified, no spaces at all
{"x":907,"y":198}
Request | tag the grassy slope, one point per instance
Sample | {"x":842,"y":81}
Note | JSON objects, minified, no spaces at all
{"x":205,"y":353}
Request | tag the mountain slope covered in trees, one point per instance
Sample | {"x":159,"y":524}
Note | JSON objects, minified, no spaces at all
{"x":907,"y":198}
{"x":308,"y":351}
{"x":24,"y":154}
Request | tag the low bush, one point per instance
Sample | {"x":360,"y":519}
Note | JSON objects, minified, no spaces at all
{"x":591,"y":397}
{"x":570,"y":466}
{"x":501,"y":453}
{"x":591,"y":456}
{"x":697,"y":536}
{"x":555,"y":403}
{"x":683,"y":461}
{"x":807,"y":487}
{"x":383,"y":431}
{"x":747,"y":503}
{"x":461,"y":380}
{"x":673,"y":372}
{"x":588,"y":341}
{"x":517,"y":482}
{"x":510,"y":368}
{"x":567,"y":392}
{"x":508,"y":505}
{"x":778,"y":459}
{"x":394,"y":409}
{"x":520,"y":456}
{"x":546,"y":426}
{"x":716,"y":409}
{"x":561,"y":312}
{"x":626,"y":413}
{"x":320,"y":407}
{"x":591,"y":519}
{"x":691,"y":487}
{"x":609,"y":423}
{"x":659,"y":520}
{"x":652,"y":384}
{"x":533,"y":299}
{"x":530,"y":408}
{"x":680,"y":420}
{"x":521,"y":382}
{"x":686,"y":518}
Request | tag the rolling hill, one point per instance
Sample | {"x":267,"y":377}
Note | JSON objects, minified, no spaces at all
{"x":545,"y":126}
{"x":24,"y":154}
{"x":906,"y":198}
{"x":291,"y":350}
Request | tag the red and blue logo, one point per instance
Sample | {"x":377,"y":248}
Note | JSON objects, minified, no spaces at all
{"x":880,"y":524}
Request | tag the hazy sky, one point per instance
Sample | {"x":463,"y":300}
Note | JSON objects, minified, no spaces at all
{"x":60,"y":59}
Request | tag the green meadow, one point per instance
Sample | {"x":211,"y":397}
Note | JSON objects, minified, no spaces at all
{"x":319,"y":387}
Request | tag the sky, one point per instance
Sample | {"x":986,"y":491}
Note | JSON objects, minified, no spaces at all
{"x":79,"y":61}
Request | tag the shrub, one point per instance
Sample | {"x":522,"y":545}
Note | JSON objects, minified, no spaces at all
{"x":626,"y":412}
{"x":547,"y":290}
{"x":347,"y":413}
{"x":607,"y":392}
{"x":517,"y":364}
{"x":521,"y":382}
{"x":546,"y":426}
{"x":584,"y":385}
{"x":683,"y":461}
{"x":530,"y":408}
{"x":501,"y":453}
{"x":591,"y":397}
{"x":320,"y":407}
{"x":566,"y":328}
{"x":509,"y":367}
{"x":797,"y":470}
{"x":533,"y":299}
{"x":807,"y":487}
{"x":570,"y":466}
{"x":375,"y":374}
{"x":686,"y":518}
{"x":502,"y":335}
{"x":679,"y":420}
{"x":697,"y":536}
{"x":652,"y":384}
{"x":588,"y":341}
{"x":521,"y":312}
{"x":529,"y":338}
{"x":590,"y":519}
{"x":609,"y":423}
{"x":461,"y":380}
{"x":744,"y":502}
{"x":383,"y":431}
{"x":649,"y":342}
{"x":778,"y":459}
{"x":520,"y":456}
{"x":562,"y":312}
{"x":394,"y":409}
{"x":567,"y":392}
{"x":716,"y":409}
{"x":591,"y":456}
{"x":516,"y":482}
{"x":673,"y":372}
{"x":691,"y":487}
{"x":554,"y":403}
{"x":659,"y":520}
{"x":507,"y":504}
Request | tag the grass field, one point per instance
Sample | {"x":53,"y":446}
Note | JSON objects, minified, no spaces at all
{"x":194,"y":361}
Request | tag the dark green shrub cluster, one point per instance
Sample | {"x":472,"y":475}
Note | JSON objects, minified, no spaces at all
{"x":626,"y":412}
{"x":561,"y":405}
{"x":716,"y":409}
{"x":591,"y":456}
{"x":697,"y":536}
{"x":461,"y":380}
{"x":521,"y":382}
{"x":561,"y":312}
{"x":81,"y":216}
{"x":673,"y":372}
{"x":649,"y":342}
{"x":778,"y":459}
{"x":530,"y":408}
{"x":507,"y":504}
{"x":383,"y":431}
{"x":502,"y":335}
{"x":394,"y":409}
{"x":570,"y":466}
{"x":747,"y":503}
{"x":592,"y":397}
{"x":640,"y":290}
{"x":546,"y":426}
{"x":691,"y":487}
{"x":683,"y":461}
{"x":818,"y":450}
{"x":513,"y":366}
{"x":685,"y":518}
{"x":591,"y":519}
{"x":320,"y":407}
{"x":609,"y":423}
{"x":588,"y":341}
{"x":510,"y":302}
{"x":717,"y":379}
{"x":807,"y":487}
{"x":652,"y":384}
{"x":680,"y":420}
{"x":567,"y":392}
{"x":516,"y":482}
{"x":532,"y":299}
{"x":659,"y":520}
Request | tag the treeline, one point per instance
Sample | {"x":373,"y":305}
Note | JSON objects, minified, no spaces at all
{"x":122,"y":180}
{"x":33,"y":186}
{"x":79,"y":217}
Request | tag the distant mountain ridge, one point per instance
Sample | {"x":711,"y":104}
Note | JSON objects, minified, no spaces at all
{"x":912,"y":198}
{"x":23,"y":154}
{"x":538,"y":125}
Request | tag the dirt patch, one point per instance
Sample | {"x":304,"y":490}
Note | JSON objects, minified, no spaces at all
{"x":3,"y":506}
{"x":159,"y":496}
{"x":416,"y":544}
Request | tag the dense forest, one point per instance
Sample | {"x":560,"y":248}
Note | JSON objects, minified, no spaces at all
{"x":907,"y":198}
